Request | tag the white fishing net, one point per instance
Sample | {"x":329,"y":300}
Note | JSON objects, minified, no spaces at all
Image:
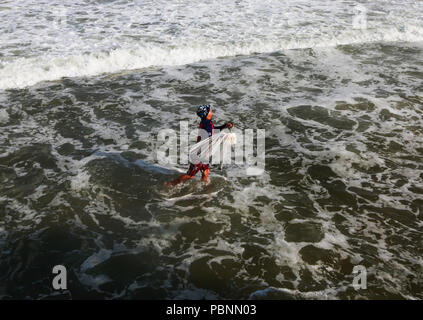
{"x":214,"y":149}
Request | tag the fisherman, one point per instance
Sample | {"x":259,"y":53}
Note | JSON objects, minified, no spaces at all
{"x":205,"y":113}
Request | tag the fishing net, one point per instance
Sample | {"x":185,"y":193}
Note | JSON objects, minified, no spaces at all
{"x":215,"y":149}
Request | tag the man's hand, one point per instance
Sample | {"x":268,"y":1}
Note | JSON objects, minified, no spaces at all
{"x":229,"y":125}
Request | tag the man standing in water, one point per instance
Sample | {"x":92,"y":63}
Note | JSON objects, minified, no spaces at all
{"x":205,"y":113}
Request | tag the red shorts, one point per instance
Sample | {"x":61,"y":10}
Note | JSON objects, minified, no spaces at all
{"x":194,"y":168}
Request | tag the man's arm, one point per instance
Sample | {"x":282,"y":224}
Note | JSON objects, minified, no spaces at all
{"x":224,"y":126}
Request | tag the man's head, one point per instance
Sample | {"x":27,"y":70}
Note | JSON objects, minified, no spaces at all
{"x":204,"y":111}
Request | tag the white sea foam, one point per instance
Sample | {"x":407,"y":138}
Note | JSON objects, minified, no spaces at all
{"x":80,"y":181}
{"x":68,"y":39}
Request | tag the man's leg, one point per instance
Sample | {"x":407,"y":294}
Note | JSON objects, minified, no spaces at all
{"x":192,"y":171}
{"x":179,"y":180}
{"x":205,"y":176}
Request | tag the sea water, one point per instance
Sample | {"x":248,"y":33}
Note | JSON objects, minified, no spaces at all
{"x":85,"y":87}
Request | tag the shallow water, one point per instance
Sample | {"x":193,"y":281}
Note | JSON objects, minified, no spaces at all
{"x":343,"y":181}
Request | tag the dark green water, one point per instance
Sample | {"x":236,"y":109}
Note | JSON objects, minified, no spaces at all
{"x":343,"y":182}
